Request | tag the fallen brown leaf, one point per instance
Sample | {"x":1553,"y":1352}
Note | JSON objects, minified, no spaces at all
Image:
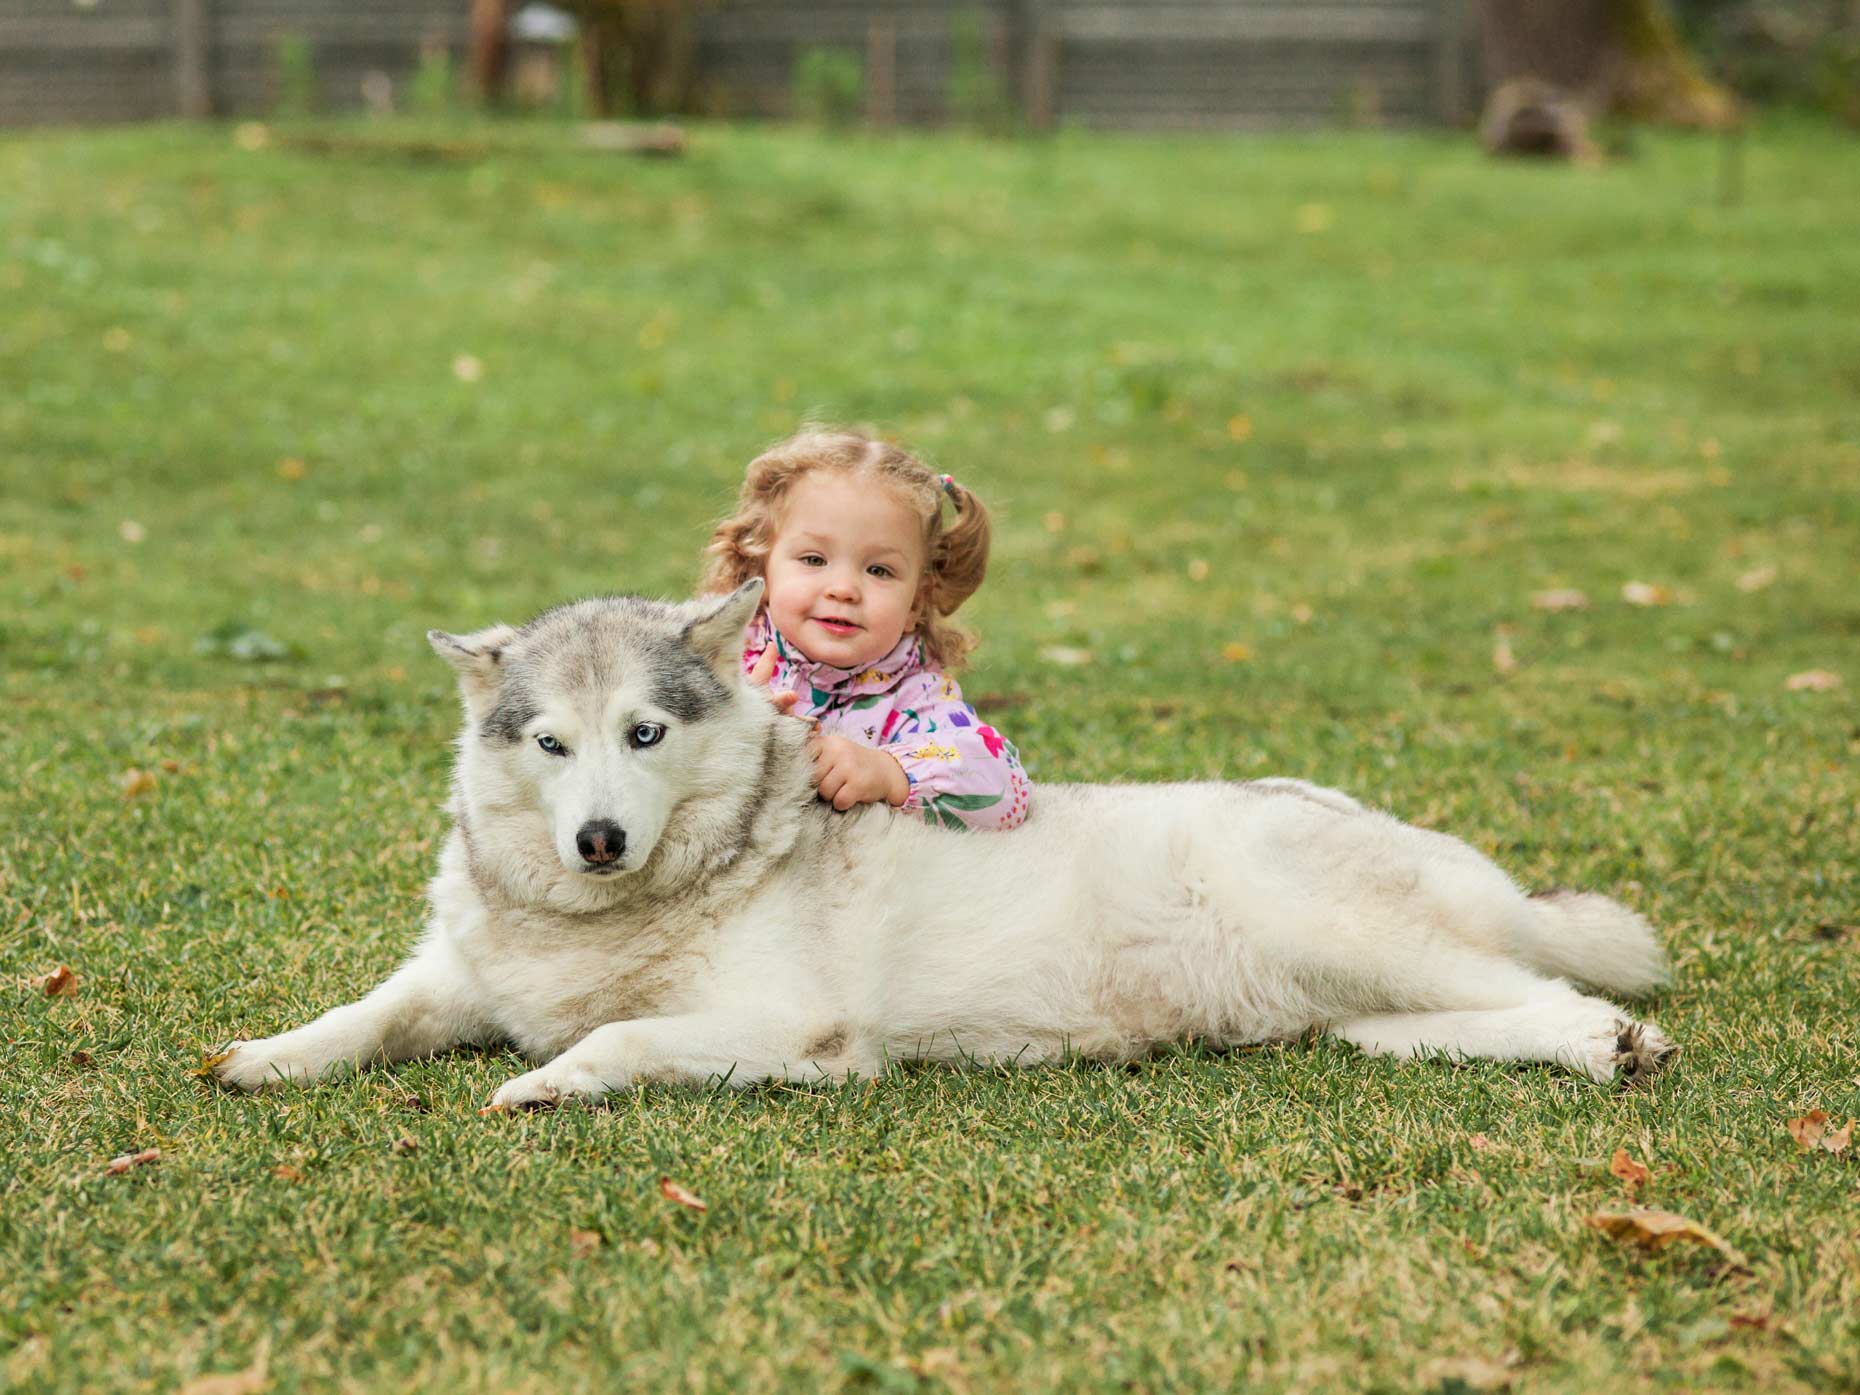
{"x":250,"y":1381}
{"x":137,"y":782}
{"x":405,"y":1144}
{"x":1655,"y":1230}
{"x":1633,"y":1173}
{"x":1646,"y":593}
{"x":1807,"y":1130}
{"x":204,"y":1070}
{"x":1560,"y":598}
{"x":61,"y":982}
{"x":171,"y":765}
{"x":1812,"y":1131}
{"x":582,"y":1243}
{"x":678,"y":1195}
{"x":1814,"y":680}
{"x":118,"y":1166}
{"x":287,"y":1172}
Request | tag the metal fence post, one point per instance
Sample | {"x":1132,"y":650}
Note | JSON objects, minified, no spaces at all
{"x":1450,"y":61}
{"x":193,"y":83}
{"x":881,"y":73}
{"x":1034,"y":40}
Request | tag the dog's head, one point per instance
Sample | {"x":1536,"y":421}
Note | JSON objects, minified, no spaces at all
{"x":604,"y":716}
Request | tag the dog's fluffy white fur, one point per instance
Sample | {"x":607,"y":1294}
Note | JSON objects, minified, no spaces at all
{"x":743,"y":931}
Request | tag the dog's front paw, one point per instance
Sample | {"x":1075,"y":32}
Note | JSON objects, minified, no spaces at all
{"x":258,"y":1065}
{"x":1624,"y":1052}
{"x":549,"y":1085}
{"x":1640,"y":1049}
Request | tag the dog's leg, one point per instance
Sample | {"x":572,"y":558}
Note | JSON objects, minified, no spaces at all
{"x":1557,"y":1024}
{"x":423,"y":1007}
{"x":691,"y":1050}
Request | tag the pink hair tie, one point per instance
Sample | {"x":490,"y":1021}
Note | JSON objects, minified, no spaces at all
{"x":949,"y":487}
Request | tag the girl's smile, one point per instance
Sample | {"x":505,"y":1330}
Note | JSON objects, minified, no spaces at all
{"x":845,"y":570}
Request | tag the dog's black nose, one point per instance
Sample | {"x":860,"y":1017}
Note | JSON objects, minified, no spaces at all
{"x":600,"y":840}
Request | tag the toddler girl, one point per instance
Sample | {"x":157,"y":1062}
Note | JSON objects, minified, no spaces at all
{"x":863,"y":571}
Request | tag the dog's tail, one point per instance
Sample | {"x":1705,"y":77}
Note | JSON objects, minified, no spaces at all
{"x":1583,"y":936}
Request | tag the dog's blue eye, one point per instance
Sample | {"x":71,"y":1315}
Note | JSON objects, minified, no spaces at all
{"x":552,"y":746}
{"x":647,"y":734}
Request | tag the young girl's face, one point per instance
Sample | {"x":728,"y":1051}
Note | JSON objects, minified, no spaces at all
{"x":845,"y":569}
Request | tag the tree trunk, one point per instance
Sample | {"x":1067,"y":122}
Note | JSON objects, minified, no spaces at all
{"x":1602,"y":56}
{"x":490,"y":48}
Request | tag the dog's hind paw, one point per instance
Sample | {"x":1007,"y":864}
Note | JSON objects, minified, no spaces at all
{"x":546,"y":1087}
{"x":252,"y":1066}
{"x":1640,"y":1049}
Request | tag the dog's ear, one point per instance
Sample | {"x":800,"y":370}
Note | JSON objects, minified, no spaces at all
{"x":477,"y":657}
{"x":717,"y":632}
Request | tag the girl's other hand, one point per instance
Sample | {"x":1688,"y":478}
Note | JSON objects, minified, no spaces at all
{"x":847,"y":773}
{"x":759,"y":677}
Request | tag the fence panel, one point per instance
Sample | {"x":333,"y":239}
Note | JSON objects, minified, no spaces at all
{"x":1113,"y":63}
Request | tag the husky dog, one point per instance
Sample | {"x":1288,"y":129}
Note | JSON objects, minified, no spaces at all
{"x":641,"y":885}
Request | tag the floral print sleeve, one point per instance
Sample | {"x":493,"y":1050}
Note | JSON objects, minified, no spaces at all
{"x":963,"y":773}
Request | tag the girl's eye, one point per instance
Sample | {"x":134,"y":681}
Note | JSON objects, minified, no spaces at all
{"x":813,"y":559}
{"x":878,"y":570}
{"x":647,"y":734}
{"x":551,"y":745}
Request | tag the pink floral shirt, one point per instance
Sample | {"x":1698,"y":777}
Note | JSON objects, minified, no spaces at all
{"x":962,"y":774}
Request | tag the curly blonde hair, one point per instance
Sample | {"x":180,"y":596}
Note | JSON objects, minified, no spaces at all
{"x":956,"y":550}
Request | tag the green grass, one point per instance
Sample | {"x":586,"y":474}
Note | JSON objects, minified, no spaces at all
{"x":1458,"y":383}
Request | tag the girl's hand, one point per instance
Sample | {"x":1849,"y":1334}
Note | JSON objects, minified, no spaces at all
{"x":760,"y":675}
{"x":847,"y":774}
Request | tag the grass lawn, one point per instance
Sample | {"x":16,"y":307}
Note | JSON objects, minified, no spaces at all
{"x":1283,"y":435}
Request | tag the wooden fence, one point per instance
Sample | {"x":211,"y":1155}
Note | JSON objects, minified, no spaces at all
{"x":1130,"y":64}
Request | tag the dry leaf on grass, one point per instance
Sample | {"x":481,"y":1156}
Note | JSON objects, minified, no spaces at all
{"x":61,"y":982}
{"x":1560,"y":598}
{"x":1481,"y":1144}
{"x":1633,"y":1173}
{"x":1814,"y":680}
{"x":1066,"y":656}
{"x":1812,"y":1131}
{"x":287,"y":1172}
{"x":1757,"y":578}
{"x":250,"y":1381}
{"x":116,"y":1167}
{"x":582,"y":1243}
{"x":678,"y":1195}
{"x":1646,"y":593}
{"x":405,"y":1144}
{"x":1236,"y":653}
{"x":1655,"y":1230}
{"x":137,"y":782}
